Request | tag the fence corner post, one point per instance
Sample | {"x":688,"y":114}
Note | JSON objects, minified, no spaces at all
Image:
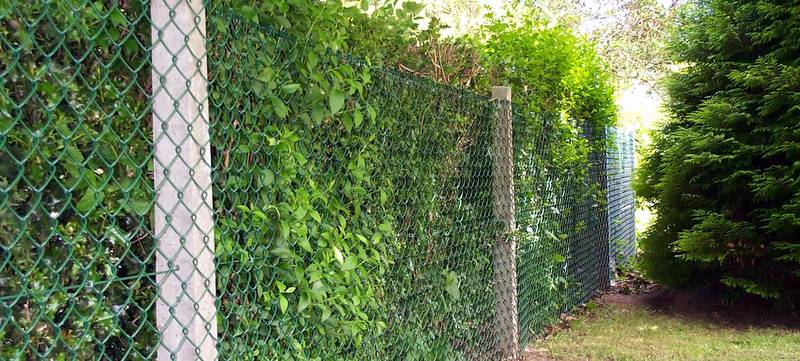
{"x":504,"y":258}
{"x":184,"y":228}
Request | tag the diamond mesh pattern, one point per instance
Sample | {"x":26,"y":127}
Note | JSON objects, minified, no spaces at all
{"x":621,"y":199}
{"x":77,"y":277}
{"x":158,"y":201}
{"x":563,"y":246}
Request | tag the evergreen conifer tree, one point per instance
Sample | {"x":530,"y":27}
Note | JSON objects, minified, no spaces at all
{"x":724,"y":173}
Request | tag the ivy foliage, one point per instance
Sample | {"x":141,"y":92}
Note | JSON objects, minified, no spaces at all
{"x":352,"y":200}
{"x":723,"y":174}
{"x":340,"y":193}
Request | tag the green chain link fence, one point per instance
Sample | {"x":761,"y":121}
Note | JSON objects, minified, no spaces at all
{"x":563,"y":244}
{"x":160,"y":202}
{"x":621,"y":199}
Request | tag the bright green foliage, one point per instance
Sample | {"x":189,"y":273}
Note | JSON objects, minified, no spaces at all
{"x":353,"y":204}
{"x":356,"y":200}
{"x":550,"y":69}
{"x":629,"y":34}
{"x":348,"y":194}
{"x":723,"y":173}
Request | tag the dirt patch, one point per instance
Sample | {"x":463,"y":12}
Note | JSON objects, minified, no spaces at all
{"x":707,"y":304}
{"x":703,"y":303}
{"x":533,"y":354}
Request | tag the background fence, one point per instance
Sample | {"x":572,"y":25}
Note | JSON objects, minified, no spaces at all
{"x":160,"y":202}
{"x":620,"y":163}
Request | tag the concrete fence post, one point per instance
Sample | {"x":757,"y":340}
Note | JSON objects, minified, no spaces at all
{"x":505,"y":266}
{"x":185,"y":307}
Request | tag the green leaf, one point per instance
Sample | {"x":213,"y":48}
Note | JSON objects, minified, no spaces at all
{"x":326,"y":313}
{"x":413,"y":7}
{"x":317,"y":113}
{"x":89,"y":201}
{"x":266,"y":75}
{"x":305,"y":244}
{"x":284,"y":303}
{"x":117,"y":18}
{"x":260,"y":214}
{"x":305,"y":301}
{"x":138,"y":206}
{"x":336,"y":100}
{"x":338,"y":254}
{"x":247,"y":12}
{"x":451,"y":285}
{"x":318,"y":289}
{"x":358,"y":118}
{"x":296,"y":345}
{"x":283,"y":251}
{"x":350,"y":264}
{"x":285,"y":230}
{"x":315,"y":215}
{"x":385,"y":227}
{"x":347,"y":120}
{"x":300,"y":212}
{"x":290,"y":88}
{"x":267,"y":178}
{"x":279,"y":107}
{"x":300,"y":158}
{"x":313,"y":60}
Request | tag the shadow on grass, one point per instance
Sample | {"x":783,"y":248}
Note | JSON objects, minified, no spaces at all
{"x":705,"y":304}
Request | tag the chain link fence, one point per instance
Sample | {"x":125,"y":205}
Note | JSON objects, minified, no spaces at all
{"x":160,"y":203}
{"x":563,"y":244}
{"x":621,"y":199}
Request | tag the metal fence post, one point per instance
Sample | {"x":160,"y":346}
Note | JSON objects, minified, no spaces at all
{"x":505,"y":267}
{"x":185,"y":308}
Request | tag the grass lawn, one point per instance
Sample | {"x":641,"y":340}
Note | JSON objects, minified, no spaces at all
{"x":627,"y":327}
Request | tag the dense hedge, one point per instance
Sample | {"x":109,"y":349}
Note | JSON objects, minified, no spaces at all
{"x":373,"y":205}
{"x":339,"y":213}
{"x":723,"y":172}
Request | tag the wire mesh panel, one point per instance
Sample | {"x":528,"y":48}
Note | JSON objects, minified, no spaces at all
{"x":588,"y":242}
{"x":353,"y":221}
{"x":621,"y":199}
{"x":162,"y":200}
{"x":562,"y":248}
{"x":77,"y":271}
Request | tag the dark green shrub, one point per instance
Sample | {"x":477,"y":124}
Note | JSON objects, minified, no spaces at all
{"x":723,"y":174}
